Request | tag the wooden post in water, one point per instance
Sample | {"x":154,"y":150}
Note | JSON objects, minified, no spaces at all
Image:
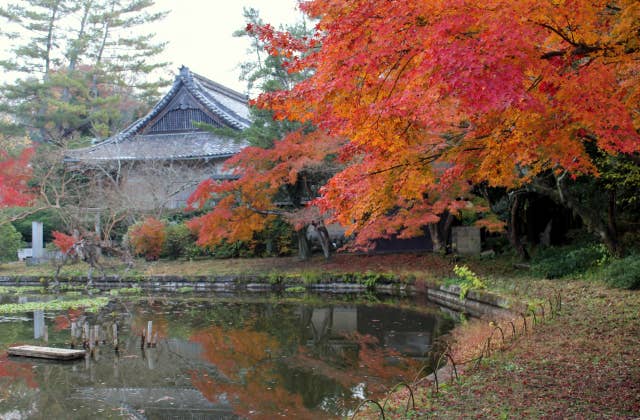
{"x":149,"y":333}
{"x":92,"y":341}
{"x":142,"y":339}
{"x":96,"y":334}
{"x":85,"y":335}
{"x":115,"y":335}
{"x":73,"y":334}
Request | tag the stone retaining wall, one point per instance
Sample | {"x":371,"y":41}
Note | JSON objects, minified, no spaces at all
{"x":477,"y":303}
{"x":231,"y":283}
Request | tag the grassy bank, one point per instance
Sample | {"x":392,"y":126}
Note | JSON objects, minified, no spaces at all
{"x":584,"y":363}
{"x":408,"y":266}
{"x":404,"y":267}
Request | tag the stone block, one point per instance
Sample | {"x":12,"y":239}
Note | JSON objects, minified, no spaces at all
{"x":466,"y":240}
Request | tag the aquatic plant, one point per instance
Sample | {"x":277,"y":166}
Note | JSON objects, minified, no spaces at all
{"x":89,"y":304}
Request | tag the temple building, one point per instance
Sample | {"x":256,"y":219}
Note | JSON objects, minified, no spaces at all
{"x":158,"y":161}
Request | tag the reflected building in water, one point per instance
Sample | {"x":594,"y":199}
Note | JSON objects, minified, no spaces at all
{"x":393,"y":329}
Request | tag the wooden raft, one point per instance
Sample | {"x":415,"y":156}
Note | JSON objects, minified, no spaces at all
{"x":46,"y":352}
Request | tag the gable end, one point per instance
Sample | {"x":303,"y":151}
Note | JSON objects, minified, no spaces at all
{"x":180,"y":114}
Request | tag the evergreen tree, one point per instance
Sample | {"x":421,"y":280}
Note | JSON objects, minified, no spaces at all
{"x":268,"y":73}
{"x":10,"y":242}
{"x":82,"y":67}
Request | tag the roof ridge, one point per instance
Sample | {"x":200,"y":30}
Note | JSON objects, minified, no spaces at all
{"x":226,"y":113}
{"x":221,"y":88}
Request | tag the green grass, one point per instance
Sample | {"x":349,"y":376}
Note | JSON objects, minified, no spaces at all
{"x":404,"y":266}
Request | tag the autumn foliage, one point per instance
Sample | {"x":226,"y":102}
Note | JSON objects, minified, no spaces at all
{"x":248,"y":204}
{"x":63,"y":241}
{"x":15,"y":173}
{"x":148,"y":238}
{"x":437,"y":96}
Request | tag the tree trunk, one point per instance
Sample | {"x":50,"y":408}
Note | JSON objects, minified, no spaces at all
{"x":435,"y":237}
{"x":614,"y":245}
{"x":440,"y":233}
{"x":49,"y":48}
{"x":325,"y":240}
{"x":446,"y":232}
{"x":513,"y":230}
{"x":304,"y":249}
{"x":76,"y":47}
{"x":592,"y":217}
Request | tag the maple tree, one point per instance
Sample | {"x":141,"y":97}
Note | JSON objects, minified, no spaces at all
{"x":437,"y":96}
{"x":64,"y":242}
{"x":15,"y":173}
{"x":281,"y":171}
{"x":148,"y":237}
{"x":272,"y":183}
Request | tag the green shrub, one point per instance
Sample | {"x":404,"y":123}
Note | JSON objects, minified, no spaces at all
{"x":631,"y":241}
{"x":466,"y":280}
{"x":370,"y":279}
{"x":195,"y":251}
{"x":556,"y":262}
{"x":231,"y":250}
{"x":275,"y":278}
{"x":311,"y":277}
{"x":277,"y":239}
{"x":10,"y":242}
{"x":623,"y":273}
{"x":178,"y":242}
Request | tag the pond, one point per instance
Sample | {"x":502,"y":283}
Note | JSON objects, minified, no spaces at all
{"x":217,"y":356}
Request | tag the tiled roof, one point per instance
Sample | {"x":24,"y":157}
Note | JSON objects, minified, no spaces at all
{"x":191,"y":97}
{"x":197,"y":144}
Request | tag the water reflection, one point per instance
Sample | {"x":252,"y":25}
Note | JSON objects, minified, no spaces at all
{"x":218,"y":359}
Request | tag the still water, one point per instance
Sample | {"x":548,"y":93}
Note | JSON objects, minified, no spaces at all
{"x":218,"y":357}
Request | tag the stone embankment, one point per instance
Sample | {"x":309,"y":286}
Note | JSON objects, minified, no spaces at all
{"x":477,"y":303}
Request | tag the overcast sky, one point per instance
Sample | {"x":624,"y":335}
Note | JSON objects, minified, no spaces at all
{"x":200,"y":34}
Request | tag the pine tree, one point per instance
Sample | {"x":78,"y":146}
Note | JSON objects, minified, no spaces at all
{"x":82,"y":69}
